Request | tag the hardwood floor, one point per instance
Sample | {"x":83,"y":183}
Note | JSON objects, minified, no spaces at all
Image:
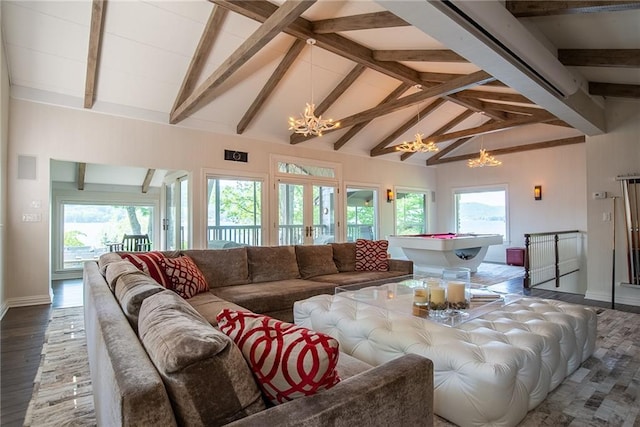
{"x":23,"y":329}
{"x":21,"y":337}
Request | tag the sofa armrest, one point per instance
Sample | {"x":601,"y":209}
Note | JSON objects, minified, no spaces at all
{"x":399,"y":392}
{"x":404,"y":265}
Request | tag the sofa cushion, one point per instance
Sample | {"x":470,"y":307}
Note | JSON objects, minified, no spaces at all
{"x":196,"y":362}
{"x":344,"y":256}
{"x":106,"y":259}
{"x":149,"y":262}
{"x":208,"y":306}
{"x":288,"y":361}
{"x":222,"y":267}
{"x":186,"y":279}
{"x":271,"y":263}
{"x":315,"y":260}
{"x":130,"y":290}
{"x":371,"y":255}
{"x":116,"y":269}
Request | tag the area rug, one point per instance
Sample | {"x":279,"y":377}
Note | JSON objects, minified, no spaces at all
{"x":62,"y":393}
{"x":604,"y":391}
{"x":489,"y":273}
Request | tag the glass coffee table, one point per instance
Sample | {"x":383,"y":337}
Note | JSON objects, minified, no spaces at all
{"x":397,"y":295}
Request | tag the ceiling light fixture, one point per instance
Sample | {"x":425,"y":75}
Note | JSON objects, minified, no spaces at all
{"x":417,"y":145}
{"x":485,"y":159}
{"x":308,"y":123}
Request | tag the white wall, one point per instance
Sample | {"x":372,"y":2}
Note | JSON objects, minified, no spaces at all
{"x":610,"y":155}
{"x":49,"y":132}
{"x":561,"y":172}
{"x":4,"y":131}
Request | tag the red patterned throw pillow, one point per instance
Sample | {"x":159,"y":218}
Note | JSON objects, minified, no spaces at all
{"x":186,"y":278}
{"x":149,"y":263}
{"x":371,"y":255}
{"x":288,"y":361}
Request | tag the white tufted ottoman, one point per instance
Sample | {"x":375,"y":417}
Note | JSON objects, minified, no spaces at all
{"x":488,"y":371}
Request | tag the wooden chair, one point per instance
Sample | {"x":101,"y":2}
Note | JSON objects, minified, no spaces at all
{"x":132,"y":243}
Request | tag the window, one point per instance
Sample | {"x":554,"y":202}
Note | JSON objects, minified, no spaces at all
{"x":481,"y":211}
{"x":411,"y":212}
{"x":361,"y":213}
{"x":234,"y":211}
{"x":88,"y":228}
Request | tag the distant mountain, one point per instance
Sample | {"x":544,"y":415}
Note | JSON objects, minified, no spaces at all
{"x":480,"y":211}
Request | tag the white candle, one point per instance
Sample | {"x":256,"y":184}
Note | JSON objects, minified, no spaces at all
{"x":455,"y":291}
{"x":421,"y":295}
{"x":437,"y":295}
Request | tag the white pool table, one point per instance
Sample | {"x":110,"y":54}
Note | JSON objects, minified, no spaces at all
{"x":445,"y":250}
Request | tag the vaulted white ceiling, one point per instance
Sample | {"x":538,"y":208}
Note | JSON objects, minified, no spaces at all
{"x":147,"y":46}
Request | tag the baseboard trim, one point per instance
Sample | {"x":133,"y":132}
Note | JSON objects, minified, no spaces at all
{"x":3,"y":309}
{"x":606,"y":297}
{"x":27,"y":301}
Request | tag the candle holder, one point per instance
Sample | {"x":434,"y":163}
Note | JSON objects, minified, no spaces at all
{"x":458,"y":281}
{"x":421,"y":302}
{"x":438,"y":300}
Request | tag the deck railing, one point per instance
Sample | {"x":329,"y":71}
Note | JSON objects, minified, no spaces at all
{"x":287,"y":234}
{"x":552,"y":257}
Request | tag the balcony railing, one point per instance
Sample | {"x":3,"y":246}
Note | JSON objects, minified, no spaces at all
{"x":287,"y":234}
{"x":552,"y":257}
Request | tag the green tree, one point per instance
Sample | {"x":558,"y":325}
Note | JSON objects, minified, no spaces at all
{"x":71,"y":238}
{"x":240,"y":204}
{"x":411,"y":217}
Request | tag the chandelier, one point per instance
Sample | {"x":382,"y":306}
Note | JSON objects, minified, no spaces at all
{"x":485,"y":159}
{"x":417,"y":146}
{"x":308,"y":123}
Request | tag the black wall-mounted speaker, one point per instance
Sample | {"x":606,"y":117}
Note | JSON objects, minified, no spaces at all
{"x":236,"y":156}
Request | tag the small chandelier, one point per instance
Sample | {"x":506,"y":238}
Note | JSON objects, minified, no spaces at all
{"x":485,"y":159}
{"x":308,"y":123}
{"x":417,"y":146}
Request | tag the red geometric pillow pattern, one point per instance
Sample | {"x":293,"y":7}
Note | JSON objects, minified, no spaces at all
{"x":288,"y":361}
{"x":186,"y":278}
{"x":371,"y":255}
{"x":149,"y":263}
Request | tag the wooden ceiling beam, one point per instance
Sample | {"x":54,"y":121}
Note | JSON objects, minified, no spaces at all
{"x":364,"y":21}
{"x":334,"y":43}
{"x":147,"y":180}
{"x":81,"y":174}
{"x":477,"y":106}
{"x":489,"y":128}
{"x":447,"y":126}
{"x":426,"y":76}
{"x":434,"y":160}
{"x":209,"y":35}
{"x":402,"y":88}
{"x":510,"y":108}
{"x":271,"y":27}
{"x":271,"y":84}
{"x":495,"y":96}
{"x":423,"y":55}
{"x":414,"y":120}
{"x":614,"y":90}
{"x":450,"y":87}
{"x":93,"y":55}
{"x":619,"y":58}
{"x":340,"y":89}
{"x":515,"y":149}
{"x":526,"y":8}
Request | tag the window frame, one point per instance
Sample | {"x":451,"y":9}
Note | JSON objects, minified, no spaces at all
{"x":234,"y":175}
{"x":429,"y":207}
{"x":482,"y":189}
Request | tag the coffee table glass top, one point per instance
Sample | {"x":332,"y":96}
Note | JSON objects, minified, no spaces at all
{"x":397,"y":295}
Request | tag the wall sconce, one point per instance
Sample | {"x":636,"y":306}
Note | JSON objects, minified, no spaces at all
{"x":389,"y":195}
{"x":537,"y":192}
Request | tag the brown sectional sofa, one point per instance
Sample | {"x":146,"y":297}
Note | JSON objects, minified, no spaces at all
{"x":150,"y":364}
